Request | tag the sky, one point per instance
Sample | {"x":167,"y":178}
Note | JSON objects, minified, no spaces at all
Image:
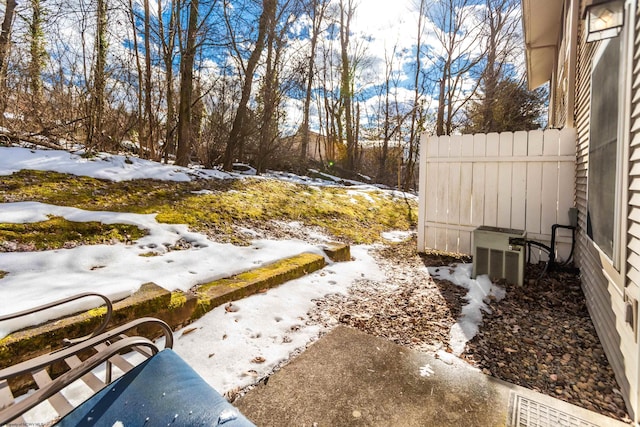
{"x":223,"y":345}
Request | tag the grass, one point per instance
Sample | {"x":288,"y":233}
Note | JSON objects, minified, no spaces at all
{"x":353,"y":216}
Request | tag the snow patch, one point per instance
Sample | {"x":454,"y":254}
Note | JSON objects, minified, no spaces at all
{"x":479,"y":290}
{"x":396,"y":236}
{"x":426,"y":371}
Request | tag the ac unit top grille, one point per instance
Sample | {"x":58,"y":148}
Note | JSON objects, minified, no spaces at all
{"x":493,"y":254}
{"x":513,"y":231}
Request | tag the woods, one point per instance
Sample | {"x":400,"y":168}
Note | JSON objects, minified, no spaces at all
{"x":273,"y":83}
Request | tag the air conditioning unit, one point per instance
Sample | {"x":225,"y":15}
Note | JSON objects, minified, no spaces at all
{"x":495,"y":255}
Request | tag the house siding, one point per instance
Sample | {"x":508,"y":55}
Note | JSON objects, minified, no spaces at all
{"x":605,"y":288}
{"x":559,"y":88}
{"x":633,"y":236}
{"x":633,"y":247}
{"x":558,"y":113}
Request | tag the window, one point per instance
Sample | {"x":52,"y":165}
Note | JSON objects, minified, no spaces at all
{"x":603,"y":147}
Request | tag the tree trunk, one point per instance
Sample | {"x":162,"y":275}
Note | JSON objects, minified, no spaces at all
{"x":346,"y":83}
{"x":386,"y":127}
{"x":5,"y":37}
{"x":502,"y":25}
{"x":490,"y":75}
{"x":186,"y":88}
{"x":167,"y":56}
{"x":94,"y":138}
{"x":267,"y":131}
{"x":38,"y":53}
{"x":441,"y":105}
{"x":141,"y":127}
{"x":148,"y":113}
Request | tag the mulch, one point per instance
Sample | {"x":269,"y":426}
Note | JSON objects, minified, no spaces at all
{"x":541,"y":336}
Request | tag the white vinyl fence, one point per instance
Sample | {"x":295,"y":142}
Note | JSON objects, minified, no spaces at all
{"x":521,"y":180}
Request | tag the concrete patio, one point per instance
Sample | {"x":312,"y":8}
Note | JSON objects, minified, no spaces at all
{"x":349,"y":378}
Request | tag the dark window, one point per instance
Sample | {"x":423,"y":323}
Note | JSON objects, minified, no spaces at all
{"x":603,"y":147}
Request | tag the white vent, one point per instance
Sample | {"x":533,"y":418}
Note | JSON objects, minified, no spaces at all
{"x":494,"y":255}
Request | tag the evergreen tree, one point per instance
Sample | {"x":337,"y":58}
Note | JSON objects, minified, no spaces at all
{"x":513,"y":108}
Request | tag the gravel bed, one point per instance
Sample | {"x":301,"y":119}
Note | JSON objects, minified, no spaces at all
{"x":539,"y":336}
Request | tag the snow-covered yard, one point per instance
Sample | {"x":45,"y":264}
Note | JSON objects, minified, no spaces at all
{"x":232,"y":346}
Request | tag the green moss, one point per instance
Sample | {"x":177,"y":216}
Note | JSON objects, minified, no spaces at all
{"x":97,"y":312}
{"x":139,"y":196}
{"x":57,"y":232}
{"x":220,"y":291}
{"x":352,"y":216}
{"x":178,"y":299}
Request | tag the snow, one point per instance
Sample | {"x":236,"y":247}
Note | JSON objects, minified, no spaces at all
{"x":426,"y":370}
{"x":119,"y":270}
{"x":103,"y":166}
{"x":396,"y":236}
{"x":230,"y":347}
{"x":479,"y":290}
{"x":267,"y":326}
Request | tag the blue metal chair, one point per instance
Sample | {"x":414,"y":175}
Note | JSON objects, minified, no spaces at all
{"x":161,"y":390}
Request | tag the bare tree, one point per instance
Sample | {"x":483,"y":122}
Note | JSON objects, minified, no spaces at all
{"x":418,"y":91}
{"x":329,"y":103}
{"x":186,"y":88}
{"x":148,"y":111}
{"x":347,"y":11}
{"x":459,"y":40}
{"x":238,"y":131}
{"x":167,"y":43}
{"x":136,"y":52}
{"x":38,"y":55}
{"x":386,"y":116}
{"x":96,"y":107}
{"x":271,"y":92}
{"x":316,"y":10}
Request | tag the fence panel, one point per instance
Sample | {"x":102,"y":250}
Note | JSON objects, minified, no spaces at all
{"x":522,"y":180}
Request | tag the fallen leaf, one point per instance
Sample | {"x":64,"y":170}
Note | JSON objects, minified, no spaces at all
{"x":188,"y":331}
{"x":230,"y":308}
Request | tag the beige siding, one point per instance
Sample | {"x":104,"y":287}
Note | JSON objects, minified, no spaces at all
{"x":633,"y":237}
{"x":605,"y":293}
